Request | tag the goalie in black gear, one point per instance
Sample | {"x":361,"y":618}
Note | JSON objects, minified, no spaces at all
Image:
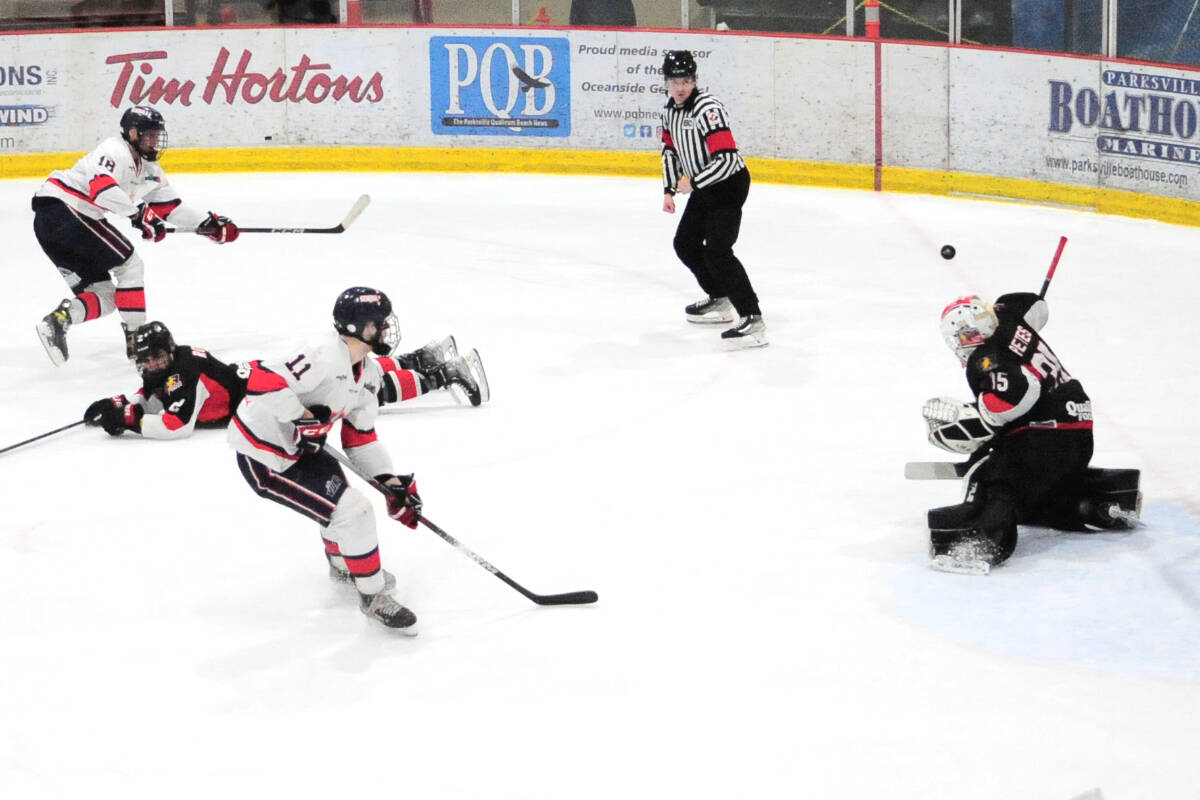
{"x":1029,"y":436}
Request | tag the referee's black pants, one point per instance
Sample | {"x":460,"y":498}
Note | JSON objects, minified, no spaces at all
{"x":705,"y":237}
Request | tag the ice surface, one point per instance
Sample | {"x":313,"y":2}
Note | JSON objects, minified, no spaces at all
{"x":768,"y":623}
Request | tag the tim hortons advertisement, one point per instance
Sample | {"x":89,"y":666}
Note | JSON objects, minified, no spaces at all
{"x":237,"y":89}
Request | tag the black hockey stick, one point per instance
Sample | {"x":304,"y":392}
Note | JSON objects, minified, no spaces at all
{"x":41,"y":436}
{"x":1062,"y":242}
{"x":564,"y":599}
{"x":359,"y":204}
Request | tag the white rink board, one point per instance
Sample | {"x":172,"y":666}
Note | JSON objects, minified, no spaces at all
{"x":1061,"y":119}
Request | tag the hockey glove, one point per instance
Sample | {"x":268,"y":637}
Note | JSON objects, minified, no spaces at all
{"x":403,"y":502}
{"x":311,"y":431}
{"x":219,"y":229}
{"x":115,"y":414}
{"x":149,"y":223}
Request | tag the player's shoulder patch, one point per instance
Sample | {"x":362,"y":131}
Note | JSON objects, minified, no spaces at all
{"x":174,"y":383}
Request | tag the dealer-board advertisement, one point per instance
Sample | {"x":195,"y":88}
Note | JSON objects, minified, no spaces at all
{"x":1059,"y":119}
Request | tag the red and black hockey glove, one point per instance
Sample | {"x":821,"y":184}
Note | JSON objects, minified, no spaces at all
{"x":403,"y":502}
{"x":220,"y":229}
{"x":311,"y":431}
{"x":115,"y":414}
{"x":147,"y":220}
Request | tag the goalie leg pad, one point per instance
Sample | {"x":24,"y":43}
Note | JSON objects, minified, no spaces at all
{"x":1111,"y":498}
{"x":974,"y":532}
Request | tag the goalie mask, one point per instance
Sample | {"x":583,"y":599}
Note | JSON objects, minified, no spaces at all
{"x":360,"y":306}
{"x":966,"y":324}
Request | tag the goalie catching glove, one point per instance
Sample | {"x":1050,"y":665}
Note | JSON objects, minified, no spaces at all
{"x":219,"y":229}
{"x":403,"y":502}
{"x":955,"y":426}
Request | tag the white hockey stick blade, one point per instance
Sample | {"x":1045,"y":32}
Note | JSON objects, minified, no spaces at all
{"x":958,"y":566}
{"x":359,"y":205}
{"x":934,"y":470}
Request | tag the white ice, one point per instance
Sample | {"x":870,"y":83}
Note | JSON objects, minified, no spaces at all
{"x":768,"y":623}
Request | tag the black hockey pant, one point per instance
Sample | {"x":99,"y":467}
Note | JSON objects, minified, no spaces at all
{"x":83,"y":249}
{"x":705,"y":237}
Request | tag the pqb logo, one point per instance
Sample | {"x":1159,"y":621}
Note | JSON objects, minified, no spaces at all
{"x":500,"y":87}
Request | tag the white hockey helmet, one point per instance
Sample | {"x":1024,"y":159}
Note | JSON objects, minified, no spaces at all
{"x":967,"y":323}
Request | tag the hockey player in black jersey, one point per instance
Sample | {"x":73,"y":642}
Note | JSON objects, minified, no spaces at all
{"x":1029,"y":433}
{"x":186,"y":387}
{"x":182,"y":387}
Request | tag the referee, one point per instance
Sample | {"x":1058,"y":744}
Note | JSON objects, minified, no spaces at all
{"x":700,"y":157}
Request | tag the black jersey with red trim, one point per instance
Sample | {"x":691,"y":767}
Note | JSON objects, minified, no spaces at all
{"x":1018,"y":380}
{"x":198,"y":390}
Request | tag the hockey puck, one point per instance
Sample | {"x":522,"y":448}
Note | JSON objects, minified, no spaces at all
{"x":948,"y":251}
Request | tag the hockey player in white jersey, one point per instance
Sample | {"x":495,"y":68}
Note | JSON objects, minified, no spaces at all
{"x":120,"y":177}
{"x":279,"y":430}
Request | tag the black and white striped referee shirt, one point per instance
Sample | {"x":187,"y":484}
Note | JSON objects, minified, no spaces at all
{"x":697,"y":142}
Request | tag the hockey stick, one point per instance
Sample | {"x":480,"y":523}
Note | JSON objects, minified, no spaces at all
{"x":566,"y":598}
{"x":41,"y":436}
{"x":356,"y":209}
{"x":934,"y":470}
{"x":1062,"y":242}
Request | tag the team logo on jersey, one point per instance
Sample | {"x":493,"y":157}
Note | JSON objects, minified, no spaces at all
{"x":986,"y":364}
{"x":174,"y":382}
{"x":509,"y":86}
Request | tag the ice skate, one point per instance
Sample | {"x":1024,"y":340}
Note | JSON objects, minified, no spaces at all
{"x":710,"y":311}
{"x":52,"y":331}
{"x":1111,"y":516}
{"x":465,"y":378}
{"x":383,"y":607}
{"x":750,"y":331}
{"x":434,"y":354}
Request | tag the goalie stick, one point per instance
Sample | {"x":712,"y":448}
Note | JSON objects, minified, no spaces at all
{"x":1062,"y":242}
{"x":566,"y":598}
{"x":935,"y":470}
{"x":356,"y":209}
